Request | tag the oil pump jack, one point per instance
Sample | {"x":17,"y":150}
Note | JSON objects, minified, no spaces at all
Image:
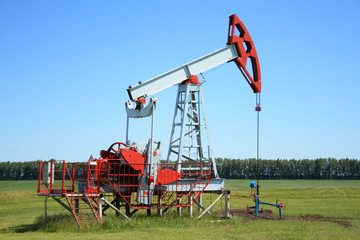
{"x":190,"y":121}
{"x":133,"y":175}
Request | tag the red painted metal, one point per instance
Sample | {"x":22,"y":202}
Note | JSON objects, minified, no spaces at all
{"x":55,"y":177}
{"x":140,"y":102}
{"x":135,"y":159}
{"x":193,"y":79}
{"x":63,"y":179}
{"x":39,"y":182}
{"x":167,"y":191}
{"x":114,"y":150}
{"x":246,"y":50}
{"x":166,"y":176}
{"x":122,"y":177}
{"x":51,"y":175}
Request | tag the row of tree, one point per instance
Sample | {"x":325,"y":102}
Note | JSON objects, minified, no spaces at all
{"x":19,"y":170}
{"x":320,"y":168}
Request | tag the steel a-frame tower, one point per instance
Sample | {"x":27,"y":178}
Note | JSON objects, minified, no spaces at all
{"x":190,"y":136}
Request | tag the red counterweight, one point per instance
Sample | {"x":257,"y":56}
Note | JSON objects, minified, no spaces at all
{"x":246,"y":49}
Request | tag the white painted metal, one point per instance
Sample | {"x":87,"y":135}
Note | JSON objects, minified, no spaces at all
{"x":211,"y":205}
{"x":210,"y":149}
{"x":100,"y":209}
{"x":192,"y":126}
{"x":182,"y":130}
{"x":183,"y":72}
{"x":115,"y":208}
{"x":190,"y":135}
{"x":190,"y":200}
{"x":48,"y":173}
{"x":141,"y":112}
{"x":145,"y":191}
{"x":127,"y":130}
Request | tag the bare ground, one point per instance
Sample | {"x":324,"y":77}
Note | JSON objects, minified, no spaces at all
{"x":249,"y":215}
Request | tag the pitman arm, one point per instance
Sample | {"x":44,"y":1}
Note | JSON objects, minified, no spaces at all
{"x":235,"y":51}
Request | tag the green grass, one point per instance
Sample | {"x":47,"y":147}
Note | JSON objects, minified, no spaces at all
{"x":22,"y":215}
{"x":11,"y":186}
{"x":271,"y":184}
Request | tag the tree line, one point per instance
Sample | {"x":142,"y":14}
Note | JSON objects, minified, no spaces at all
{"x":321,"y":168}
{"x":19,"y":170}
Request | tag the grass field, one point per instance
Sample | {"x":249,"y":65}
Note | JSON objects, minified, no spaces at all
{"x":333,"y":202}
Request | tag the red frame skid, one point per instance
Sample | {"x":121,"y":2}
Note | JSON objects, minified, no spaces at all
{"x":242,"y":41}
{"x":172,"y":188}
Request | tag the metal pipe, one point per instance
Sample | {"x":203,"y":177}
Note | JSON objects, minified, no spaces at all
{"x":127,"y":130}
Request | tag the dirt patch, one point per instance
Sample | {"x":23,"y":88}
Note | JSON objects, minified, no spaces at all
{"x":249,"y":215}
{"x":311,"y":218}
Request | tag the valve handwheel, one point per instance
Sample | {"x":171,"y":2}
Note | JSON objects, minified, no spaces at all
{"x":282,"y":206}
{"x":114,"y":149}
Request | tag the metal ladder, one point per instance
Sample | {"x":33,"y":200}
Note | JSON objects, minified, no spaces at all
{"x":83,"y":208}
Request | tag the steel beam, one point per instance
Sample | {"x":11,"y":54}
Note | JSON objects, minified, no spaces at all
{"x":183,"y":72}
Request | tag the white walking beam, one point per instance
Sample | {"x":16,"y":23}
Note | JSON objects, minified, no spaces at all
{"x":183,"y":72}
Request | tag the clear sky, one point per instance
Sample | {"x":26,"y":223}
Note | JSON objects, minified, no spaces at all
{"x":65,"y":67}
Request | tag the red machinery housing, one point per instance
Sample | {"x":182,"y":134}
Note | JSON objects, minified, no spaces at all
{"x":117,"y":174}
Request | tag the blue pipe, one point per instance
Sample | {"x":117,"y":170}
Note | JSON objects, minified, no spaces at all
{"x":256,"y":205}
{"x":257,"y":201}
{"x":280,"y":210}
{"x":275,"y":205}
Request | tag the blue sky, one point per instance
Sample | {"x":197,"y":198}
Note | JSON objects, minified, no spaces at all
{"x":65,"y":67}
